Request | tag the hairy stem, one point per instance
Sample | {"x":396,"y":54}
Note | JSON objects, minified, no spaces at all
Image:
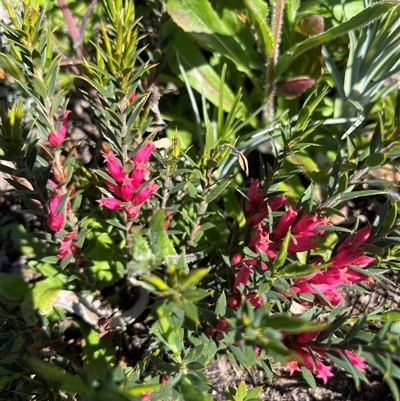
{"x":271,"y":60}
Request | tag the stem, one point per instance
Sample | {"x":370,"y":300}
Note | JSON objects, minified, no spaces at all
{"x":202,"y":206}
{"x":271,"y":60}
{"x":73,"y":30}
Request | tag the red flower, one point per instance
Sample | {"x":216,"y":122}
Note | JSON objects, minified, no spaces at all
{"x":285,"y":222}
{"x":56,"y":139}
{"x":55,"y":221}
{"x":143,"y":154}
{"x":65,"y":247}
{"x":110,"y":203}
{"x":143,"y":194}
{"x":114,"y":168}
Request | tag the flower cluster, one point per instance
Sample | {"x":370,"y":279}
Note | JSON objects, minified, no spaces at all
{"x":310,"y":358}
{"x":327,"y":282}
{"x":127,"y":191}
{"x":324,"y":282}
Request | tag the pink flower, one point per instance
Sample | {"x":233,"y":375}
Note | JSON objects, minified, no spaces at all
{"x":314,"y":364}
{"x":132,"y":96}
{"x":144,"y":153}
{"x":363,"y":260}
{"x":357,"y":361}
{"x":257,"y":218}
{"x":55,"y":221}
{"x":57,"y":139}
{"x":285,"y":222}
{"x":138,"y":174}
{"x":292,"y":365}
{"x":114,"y":188}
{"x":305,"y":225}
{"x":132,"y":211}
{"x":145,"y":396}
{"x":302,"y":244}
{"x":260,"y":240}
{"x":233,"y":302}
{"x":127,"y":189}
{"x":254,"y":299}
{"x":344,"y":258}
{"x":143,"y":194}
{"x":355,"y":240}
{"x":255,"y":197}
{"x":114,"y":168}
{"x":276,"y":203}
{"x":242,"y":277}
{"x":110,"y":203}
{"x":65,"y":247}
{"x":306,"y":337}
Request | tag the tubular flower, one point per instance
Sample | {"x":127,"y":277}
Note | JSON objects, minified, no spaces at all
{"x":66,"y":247}
{"x":55,"y":221}
{"x":56,"y":139}
{"x":127,"y":193}
{"x":314,"y":364}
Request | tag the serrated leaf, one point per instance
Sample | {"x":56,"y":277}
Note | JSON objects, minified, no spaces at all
{"x":220,"y":307}
{"x":191,"y":311}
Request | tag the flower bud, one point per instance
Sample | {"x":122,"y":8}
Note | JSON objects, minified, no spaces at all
{"x":312,"y":25}
{"x":294,"y":87}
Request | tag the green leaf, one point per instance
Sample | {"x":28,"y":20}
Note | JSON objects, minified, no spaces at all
{"x":220,"y":187}
{"x":159,"y":241}
{"x":60,"y":379}
{"x":40,"y":298}
{"x":210,"y":138}
{"x":192,"y":389}
{"x":364,"y":17}
{"x":359,"y":194}
{"x":39,"y":87}
{"x":375,"y":160}
{"x":286,"y":322}
{"x":190,"y":310}
{"x":199,"y":19}
{"x":308,"y":377}
{"x":220,"y":307}
{"x":12,"y":286}
{"x":390,"y":315}
{"x":390,"y":219}
{"x":258,"y":11}
{"x":200,"y":75}
{"x":283,"y":251}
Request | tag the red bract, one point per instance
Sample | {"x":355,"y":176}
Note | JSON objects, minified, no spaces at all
{"x":56,"y":139}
